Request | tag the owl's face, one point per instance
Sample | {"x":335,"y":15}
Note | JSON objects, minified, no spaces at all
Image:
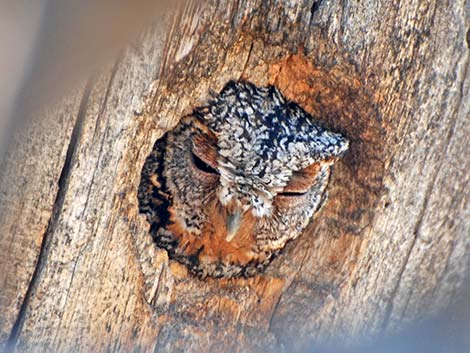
{"x":243,"y":175}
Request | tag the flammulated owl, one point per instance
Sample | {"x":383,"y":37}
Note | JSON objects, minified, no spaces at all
{"x":232,"y":183}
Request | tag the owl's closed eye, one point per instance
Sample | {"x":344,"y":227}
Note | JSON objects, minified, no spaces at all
{"x":232,"y":183}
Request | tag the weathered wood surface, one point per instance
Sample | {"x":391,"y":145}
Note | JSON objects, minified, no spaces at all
{"x":29,"y":184}
{"x":391,"y":243}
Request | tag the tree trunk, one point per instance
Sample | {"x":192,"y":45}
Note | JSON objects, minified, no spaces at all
{"x":79,"y":269}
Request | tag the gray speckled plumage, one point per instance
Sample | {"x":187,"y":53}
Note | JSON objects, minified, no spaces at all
{"x":261,"y":142}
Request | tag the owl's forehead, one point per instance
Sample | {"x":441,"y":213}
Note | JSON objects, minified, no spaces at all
{"x":260,"y":134}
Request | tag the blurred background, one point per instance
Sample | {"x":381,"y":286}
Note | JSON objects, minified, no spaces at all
{"x":48,"y":46}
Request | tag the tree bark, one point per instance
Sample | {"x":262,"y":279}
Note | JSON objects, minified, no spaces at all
{"x":79,"y":269}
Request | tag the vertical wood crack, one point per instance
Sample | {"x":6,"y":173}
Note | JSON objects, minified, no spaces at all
{"x":419,"y":222}
{"x":56,"y":210}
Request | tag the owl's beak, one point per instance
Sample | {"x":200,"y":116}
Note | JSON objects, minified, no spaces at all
{"x":232,"y":223}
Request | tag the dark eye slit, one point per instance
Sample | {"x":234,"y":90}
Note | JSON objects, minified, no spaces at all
{"x":292,"y":194}
{"x":203,"y":166}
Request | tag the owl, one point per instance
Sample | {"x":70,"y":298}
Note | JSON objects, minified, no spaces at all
{"x":236,"y":180}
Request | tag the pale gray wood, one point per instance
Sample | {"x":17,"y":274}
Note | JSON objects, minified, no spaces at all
{"x":29,"y":184}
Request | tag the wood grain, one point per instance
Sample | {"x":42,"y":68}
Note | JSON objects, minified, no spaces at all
{"x":29,"y":185}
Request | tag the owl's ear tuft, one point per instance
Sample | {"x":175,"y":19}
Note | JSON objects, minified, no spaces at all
{"x":230,"y":88}
{"x":329,"y":145}
{"x":342,"y":145}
